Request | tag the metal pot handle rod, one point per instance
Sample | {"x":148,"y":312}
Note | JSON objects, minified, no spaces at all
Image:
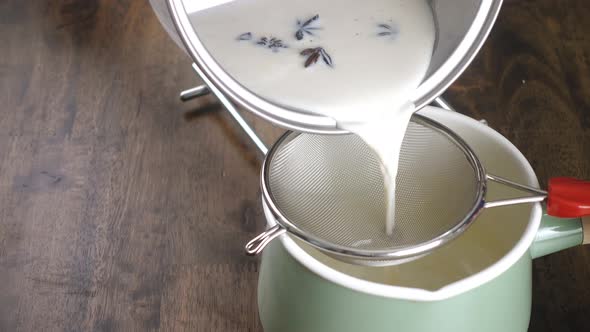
{"x":207,"y":88}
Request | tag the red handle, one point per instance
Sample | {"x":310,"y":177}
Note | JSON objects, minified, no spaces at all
{"x":568,"y":198}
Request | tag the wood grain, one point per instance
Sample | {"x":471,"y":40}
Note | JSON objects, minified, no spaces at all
{"x":122,"y":209}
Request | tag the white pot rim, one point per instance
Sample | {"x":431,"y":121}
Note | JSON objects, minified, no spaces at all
{"x":450,"y":290}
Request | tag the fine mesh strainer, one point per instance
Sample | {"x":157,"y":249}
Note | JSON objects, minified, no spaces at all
{"x":329,"y":191}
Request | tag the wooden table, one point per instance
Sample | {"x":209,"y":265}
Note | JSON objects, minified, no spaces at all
{"x":123,"y":209}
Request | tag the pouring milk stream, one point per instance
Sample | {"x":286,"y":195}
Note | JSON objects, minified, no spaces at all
{"x":357,"y":66}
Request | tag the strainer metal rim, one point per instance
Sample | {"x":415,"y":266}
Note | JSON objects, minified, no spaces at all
{"x":393,"y":253}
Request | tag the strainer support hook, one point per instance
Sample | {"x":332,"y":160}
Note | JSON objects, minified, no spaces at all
{"x":257,"y":244}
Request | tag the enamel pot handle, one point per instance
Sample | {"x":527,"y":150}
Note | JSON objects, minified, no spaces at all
{"x":568,"y":197}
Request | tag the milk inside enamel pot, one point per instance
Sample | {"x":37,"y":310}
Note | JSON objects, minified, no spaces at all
{"x":355,"y":62}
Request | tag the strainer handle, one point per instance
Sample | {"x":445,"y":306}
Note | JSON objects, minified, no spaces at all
{"x":568,"y":197}
{"x":257,"y":244}
{"x":538,"y":195}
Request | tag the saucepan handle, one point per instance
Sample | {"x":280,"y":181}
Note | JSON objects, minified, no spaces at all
{"x":566,"y":220}
{"x":257,"y":244}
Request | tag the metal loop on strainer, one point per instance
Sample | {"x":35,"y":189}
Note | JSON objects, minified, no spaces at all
{"x":329,"y":191}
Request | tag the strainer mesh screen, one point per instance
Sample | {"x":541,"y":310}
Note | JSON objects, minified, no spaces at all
{"x":331,"y":187}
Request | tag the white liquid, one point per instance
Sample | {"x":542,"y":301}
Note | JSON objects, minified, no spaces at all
{"x":366,"y":90}
{"x":385,"y":135}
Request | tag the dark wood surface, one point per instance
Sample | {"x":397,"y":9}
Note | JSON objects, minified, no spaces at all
{"x":122,"y":209}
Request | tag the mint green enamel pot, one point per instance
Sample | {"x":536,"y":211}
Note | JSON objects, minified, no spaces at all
{"x":479,"y":282}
